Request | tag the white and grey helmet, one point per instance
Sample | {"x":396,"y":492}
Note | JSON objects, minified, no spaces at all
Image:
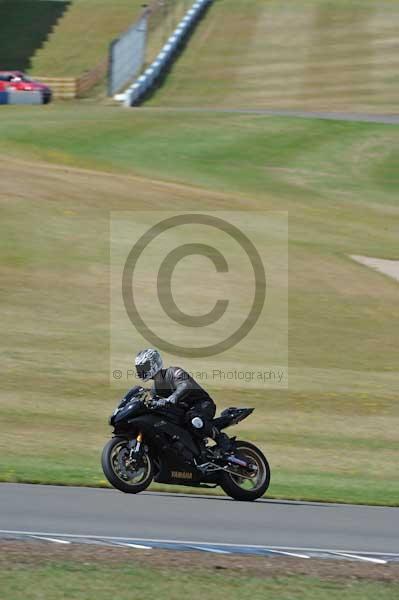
{"x":148,"y":363}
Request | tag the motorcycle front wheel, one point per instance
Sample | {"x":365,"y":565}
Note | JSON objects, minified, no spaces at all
{"x":247,"y":484}
{"x":119,"y":471}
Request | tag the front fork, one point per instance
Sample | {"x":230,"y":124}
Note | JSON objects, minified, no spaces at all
{"x":136,"y":448}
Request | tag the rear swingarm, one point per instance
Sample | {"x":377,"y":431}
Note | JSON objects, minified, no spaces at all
{"x":210,"y":467}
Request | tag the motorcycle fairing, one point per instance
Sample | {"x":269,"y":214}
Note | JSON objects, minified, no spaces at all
{"x":173,"y":469}
{"x":163,"y":434}
{"x":174,"y":448}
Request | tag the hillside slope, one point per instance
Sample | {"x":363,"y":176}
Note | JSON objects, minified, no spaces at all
{"x":333,"y":433}
{"x":309,"y":54}
{"x":24,"y":26}
{"x":81,"y":39}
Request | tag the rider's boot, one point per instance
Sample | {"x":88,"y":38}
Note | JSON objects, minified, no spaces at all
{"x":223,"y":442}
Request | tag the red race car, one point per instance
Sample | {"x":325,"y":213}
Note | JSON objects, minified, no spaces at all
{"x":18,"y":81}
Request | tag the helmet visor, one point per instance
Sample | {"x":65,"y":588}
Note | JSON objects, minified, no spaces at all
{"x":143,"y":370}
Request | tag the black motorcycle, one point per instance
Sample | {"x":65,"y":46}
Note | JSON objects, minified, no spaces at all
{"x":155,"y":444}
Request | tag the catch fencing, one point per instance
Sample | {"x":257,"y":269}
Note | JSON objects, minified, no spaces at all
{"x":127,"y":55}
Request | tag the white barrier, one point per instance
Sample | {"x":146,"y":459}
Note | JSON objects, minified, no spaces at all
{"x":136,"y":92}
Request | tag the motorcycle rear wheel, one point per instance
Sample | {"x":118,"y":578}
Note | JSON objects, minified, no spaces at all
{"x":113,"y":461}
{"x":244,"y":489}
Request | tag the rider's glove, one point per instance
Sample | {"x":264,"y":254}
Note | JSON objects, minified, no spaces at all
{"x":162,"y":402}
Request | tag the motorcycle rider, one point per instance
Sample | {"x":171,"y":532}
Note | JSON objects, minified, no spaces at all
{"x":175,"y":387}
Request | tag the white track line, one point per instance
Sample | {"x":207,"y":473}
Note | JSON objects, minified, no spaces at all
{"x":378,"y":561}
{"x":207,"y":549}
{"x":136,"y":546}
{"x":198,"y":543}
{"x":48,"y":539}
{"x":288,"y":553}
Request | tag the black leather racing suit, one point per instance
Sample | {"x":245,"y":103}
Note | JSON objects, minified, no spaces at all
{"x":181,"y":389}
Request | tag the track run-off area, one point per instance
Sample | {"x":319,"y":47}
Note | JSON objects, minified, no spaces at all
{"x":216,"y":524}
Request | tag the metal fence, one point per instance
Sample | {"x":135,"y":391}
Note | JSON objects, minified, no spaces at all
{"x":156,"y":70}
{"x":127,"y":55}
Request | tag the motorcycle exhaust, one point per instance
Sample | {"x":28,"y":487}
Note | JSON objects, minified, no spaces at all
{"x":237,"y":461}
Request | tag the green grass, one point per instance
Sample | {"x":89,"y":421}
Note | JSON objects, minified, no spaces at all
{"x":82,"y":37}
{"x":333,"y":434}
{"x":308,"y":54}
{"x":86,"y":581}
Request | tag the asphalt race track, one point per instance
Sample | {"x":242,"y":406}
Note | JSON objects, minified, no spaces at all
{"x":390,"y":119}
{"x":69,"y":511}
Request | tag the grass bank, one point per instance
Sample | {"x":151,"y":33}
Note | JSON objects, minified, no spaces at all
{"x":81,"y":39}
{"x":307,"y":54}
{"x":84,"y":582}
{"x":77,"y":572}
{"x":332,"y":435}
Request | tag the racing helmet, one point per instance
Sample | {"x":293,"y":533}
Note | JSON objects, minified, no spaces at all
{"x":148,"y":363}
